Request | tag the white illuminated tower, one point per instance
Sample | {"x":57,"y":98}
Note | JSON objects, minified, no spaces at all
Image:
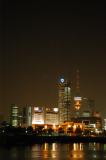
{"x":64,"y":102}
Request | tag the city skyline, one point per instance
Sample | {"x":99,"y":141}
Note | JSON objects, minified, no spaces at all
{"x":41,"y":42}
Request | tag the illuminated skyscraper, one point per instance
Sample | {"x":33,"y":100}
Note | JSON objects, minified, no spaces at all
{"x":77,"y":97}
{"x":37,"y":116}
{"x":64,"y":102}
{"x":51,"y":116}
{"x":14,"y":115}
{"x":27,"y":116}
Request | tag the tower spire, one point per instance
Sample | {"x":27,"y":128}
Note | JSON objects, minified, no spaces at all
{"x":77,"y":97}
{"x":77,"y":82}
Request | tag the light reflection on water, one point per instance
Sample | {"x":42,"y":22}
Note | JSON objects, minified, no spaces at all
{"x":56,"y":151}
{"x":77,"y":151}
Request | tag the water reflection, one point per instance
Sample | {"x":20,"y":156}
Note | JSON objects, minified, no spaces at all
{"x":78,"y":147}
{"x":56,"y":151}
{"x":60,"y":151}
{"x":77,"y":151}
{"x":104,"y":147}
{"x":49,"y":150}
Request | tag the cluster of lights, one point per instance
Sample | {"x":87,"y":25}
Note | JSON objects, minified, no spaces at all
{"x":77,"y":102}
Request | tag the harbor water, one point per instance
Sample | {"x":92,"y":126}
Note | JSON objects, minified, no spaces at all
{"x":55,"y":151}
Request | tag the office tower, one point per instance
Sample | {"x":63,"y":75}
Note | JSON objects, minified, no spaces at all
{"x":27,"y":116}
{"x":91,"y":104}
{"x":14,"y":113}
{"x":37,"y":116}
{"x":64,"y":102}
{"x":51,"y":116}
{"x":105,"y":124}
{"x":88,"y":104}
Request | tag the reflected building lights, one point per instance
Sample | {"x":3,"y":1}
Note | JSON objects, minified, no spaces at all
{"x":49,"y":150}
{"x":77,"y":146}
{"x":77,"y":150}
{"x":46,"y":147}
{"x":69,"y":151}
{"x":53,"y":146}
{"x":53,"y":151}
{"x":45,"y":151}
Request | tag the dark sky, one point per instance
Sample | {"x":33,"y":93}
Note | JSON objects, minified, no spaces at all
{"x":42,"y":41}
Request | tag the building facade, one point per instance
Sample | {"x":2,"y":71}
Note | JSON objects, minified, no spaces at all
{"x":37,"y":115}
{"x":14,"y":115}
{"x":27,"y":116}
{"x":64,"y":101}
{"x":51,"y":116}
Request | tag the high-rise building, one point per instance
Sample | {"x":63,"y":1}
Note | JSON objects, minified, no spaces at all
{"x":105,"y":124}
{"x":37,"y":116}
{"x":64,"y":102}
{"x":27,"y":116}
{"x":88,"y":104}
{"x":14,"y":115}
{"x":77,"y":97}
{"x":51,"y":116}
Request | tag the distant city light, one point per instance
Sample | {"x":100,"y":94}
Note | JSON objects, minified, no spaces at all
{"x":35,"y":121}
{"x":55,"y":109}
{"x":77,"y":98}
{"x":36,"y":108}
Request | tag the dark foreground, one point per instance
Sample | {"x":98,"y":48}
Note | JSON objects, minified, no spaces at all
{"x":32,"y":139}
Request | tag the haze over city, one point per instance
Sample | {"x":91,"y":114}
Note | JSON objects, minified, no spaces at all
{"x":41,"y":42}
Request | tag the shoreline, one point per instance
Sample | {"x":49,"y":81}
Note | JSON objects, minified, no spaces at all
{"x":34,"y":139}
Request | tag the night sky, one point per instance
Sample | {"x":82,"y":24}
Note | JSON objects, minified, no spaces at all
{"x":41,"y":42}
